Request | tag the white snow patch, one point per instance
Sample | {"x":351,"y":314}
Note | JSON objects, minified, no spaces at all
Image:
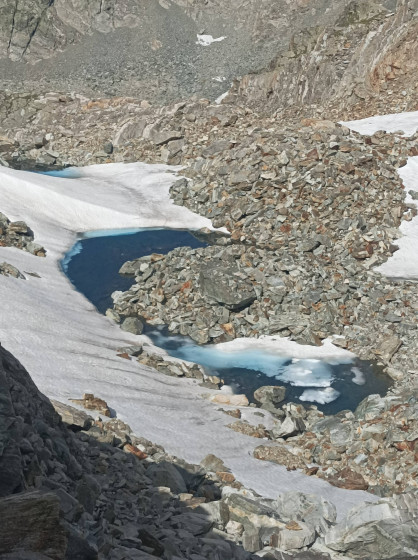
{"x":404,"y":262}
{"x":206,"y":40}
{"x":219,"y":99}
{"x":219,"y":79}
{"x":68,"y":347}
{"x":323,"y":396}
{"x":407,"y":122}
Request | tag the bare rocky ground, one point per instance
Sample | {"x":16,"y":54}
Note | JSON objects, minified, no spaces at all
{"x":312,"y":209}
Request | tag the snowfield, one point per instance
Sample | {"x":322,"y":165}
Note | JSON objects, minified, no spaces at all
{"x":405,"y":122}
{"x":403,"y":263}
{"x":69,"y":348}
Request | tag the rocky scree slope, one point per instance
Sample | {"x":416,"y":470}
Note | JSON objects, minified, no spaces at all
{"x":364,"y":61}
{"x":144,"y":48}
{"x":312,"y":208}
{"x":281,"y":53}
{"x":88,"y":489}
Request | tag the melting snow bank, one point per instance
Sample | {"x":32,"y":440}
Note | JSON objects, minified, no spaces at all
{"x":404,"y":263}
{"x":69,"y":348}
{"x":405,"y":122}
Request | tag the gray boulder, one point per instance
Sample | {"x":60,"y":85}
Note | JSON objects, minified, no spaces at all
{"x":31,"y":520}
{"x":226,"y":285}
{"x":269,"y":396}
{"x":74,"y":418}
{"x":212,"y":463}
{"x":132,"y":325}
{"x":165,"y":474}
{"x":313,"y":510}
{"x":380,"y":530}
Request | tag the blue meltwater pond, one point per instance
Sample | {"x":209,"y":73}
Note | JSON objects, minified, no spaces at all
{"x":93,"y":266}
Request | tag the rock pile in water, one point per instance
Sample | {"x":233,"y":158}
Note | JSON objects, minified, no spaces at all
{"x":312,"y":210}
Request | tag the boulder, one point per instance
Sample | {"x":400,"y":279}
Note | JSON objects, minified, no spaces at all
{"x":313,"y":510}
{"x":74,"y":418}
{"x":166,"y":474}
{"x":212,"y":463}
{"x":370,"y":408}
{"x":296,"y":534}
{"x":380,"y":530}
{"x":233,"y":400}
{"x":217,"y":512}
{"x":259,"y":520}
{"x":388,"y":348}
{"x":31,"y":521}
{"x":132,"y":325}
{"x":281,"y":454}
{"x":225,"y":285}
{"x":348,"y":479}
{"x":288,"y":428}
{"x":269,"y":396}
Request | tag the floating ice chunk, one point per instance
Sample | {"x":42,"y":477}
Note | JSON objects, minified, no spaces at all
{"x":358,"y":378}
{"x":307,"y":373}
{"x":321,"y":396}
{"x":285,"y":347}
{"x":206,"y":40}
{"x":213,"y":357}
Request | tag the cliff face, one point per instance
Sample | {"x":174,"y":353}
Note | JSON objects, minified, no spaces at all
{"x":358,"y":56}
{"x":37,"y":29}
{"x":312,"y":49}
{"x":25,"y":415}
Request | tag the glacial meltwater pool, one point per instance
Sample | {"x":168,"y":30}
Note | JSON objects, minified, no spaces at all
{"x":93,"y":266}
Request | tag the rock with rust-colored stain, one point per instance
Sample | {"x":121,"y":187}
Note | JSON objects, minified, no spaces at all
{"x":226,"y":477}
{"x":90,"y":402}
{"x":135,"y":451}
{"x":348,"y":479}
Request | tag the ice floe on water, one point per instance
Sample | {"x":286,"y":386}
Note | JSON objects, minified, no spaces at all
{"x":320,"y":396}
{"x":358,"y":378}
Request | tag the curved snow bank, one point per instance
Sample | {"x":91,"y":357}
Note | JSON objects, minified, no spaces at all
{"x":403,"y":263}
{"x":407,"y":122}
{"x":69,"y":348}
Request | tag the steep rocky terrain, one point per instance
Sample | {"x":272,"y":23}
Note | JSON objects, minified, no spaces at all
{"x":312,"y":209}
{"x":313,"y":51}
{"x":72,"y":487}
